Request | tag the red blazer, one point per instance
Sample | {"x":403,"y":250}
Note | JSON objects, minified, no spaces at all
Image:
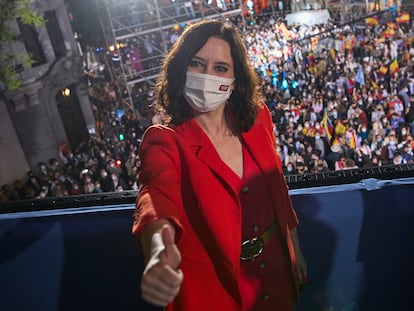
{"x":182,"y":182}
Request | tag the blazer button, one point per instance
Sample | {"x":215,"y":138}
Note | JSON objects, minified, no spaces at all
{"x":245,"y":189}
{"x":266,"y":297}
{"x":255,"y":228}
{"x":262,"y":265}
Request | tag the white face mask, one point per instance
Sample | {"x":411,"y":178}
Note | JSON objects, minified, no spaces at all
{"x":206,"y":92}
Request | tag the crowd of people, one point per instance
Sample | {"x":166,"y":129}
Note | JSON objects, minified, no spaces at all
{"x":341,"y":97}
{"x":339,"y":100}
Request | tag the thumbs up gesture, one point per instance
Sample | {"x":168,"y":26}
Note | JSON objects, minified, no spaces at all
{"x":161,"y":280}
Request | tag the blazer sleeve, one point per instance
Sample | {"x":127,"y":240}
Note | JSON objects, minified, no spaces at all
{"x":160,"y":194}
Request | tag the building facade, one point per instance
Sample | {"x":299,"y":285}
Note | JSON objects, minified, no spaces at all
{"x":52,"y":106}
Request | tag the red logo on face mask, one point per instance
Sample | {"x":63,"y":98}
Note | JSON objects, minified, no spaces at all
{"x":224,"y":87}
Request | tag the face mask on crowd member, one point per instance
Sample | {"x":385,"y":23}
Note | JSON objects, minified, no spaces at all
{"x":206,"y":92}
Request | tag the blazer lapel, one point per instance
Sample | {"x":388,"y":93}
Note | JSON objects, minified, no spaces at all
{"x":205,"y":152}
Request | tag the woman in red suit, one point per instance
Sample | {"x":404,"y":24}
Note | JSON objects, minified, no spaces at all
{"x":214,"y":218}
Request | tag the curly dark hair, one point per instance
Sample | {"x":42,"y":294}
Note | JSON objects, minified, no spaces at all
{"x":246,"y":96}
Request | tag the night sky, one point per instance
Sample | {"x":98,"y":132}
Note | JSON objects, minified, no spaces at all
{"x":86,"y":21}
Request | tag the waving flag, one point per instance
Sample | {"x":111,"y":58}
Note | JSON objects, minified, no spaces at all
{"x":392,"y":25}
{"x":327,"y":126}
{"x":394,"y":67}
{"x":383,"y":70}
{"x":403,"y":18}
{"x":353,"y":141}
{"x":372,"y":21}
{"x":375,"y":85}
{"x":388,"y":33}
{"x":360,"y":76}
{"x":340,"y":128}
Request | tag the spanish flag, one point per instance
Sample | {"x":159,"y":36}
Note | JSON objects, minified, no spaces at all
{"x":340,"y":128}
{"x":383,"y":70}
{"x":392,"y":25}
{"x":405,"y":55}
{"x":374,"y":85}
{"x":403,"y":18}
{"x":394,"y":67}
{"x":372,"y":21}
{"x":388,"y":33}
{"x":349,"y":44}
{"x":353,"y":141}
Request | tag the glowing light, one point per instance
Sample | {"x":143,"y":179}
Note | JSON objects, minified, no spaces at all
{"x":66,"y":92}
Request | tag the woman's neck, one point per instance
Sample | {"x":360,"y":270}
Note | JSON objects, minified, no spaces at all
{"x":216,"y":123}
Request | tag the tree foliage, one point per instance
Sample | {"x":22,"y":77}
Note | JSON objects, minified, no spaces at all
{"x":10,"y":10}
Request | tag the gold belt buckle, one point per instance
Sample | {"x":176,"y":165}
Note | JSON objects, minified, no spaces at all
{"x":251,"y":248}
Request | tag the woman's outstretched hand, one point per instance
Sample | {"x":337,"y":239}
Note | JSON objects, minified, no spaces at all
{"x":162,"y":278}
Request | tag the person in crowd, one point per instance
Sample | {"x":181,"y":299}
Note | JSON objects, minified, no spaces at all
{"x":320,"y":165}
{"x":44,"y":174}
{"x":320,"y":143}
{"x":57,"y":189}
{"x":118,"y":183}
{"x":301,"y":168}
{"x":33,"y":184}
{"x":3,"y":197}
{"x":76,"y":189}
{"x":398,"y":158}
{"x":105,"y":180}
{"x":88,"y":184}
{"x":349,"y":164}
{"x":18,"y":191}
{"x":407,"y":153}
{"x":388,"y":150}
{"x":334,"y":156}
{"x":97,"y":188}
{"x":290,"y":169}
{"x":218,"y":150}
{"x":363,"y":154}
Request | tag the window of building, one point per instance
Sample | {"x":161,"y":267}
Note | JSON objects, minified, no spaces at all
{"x":30,"y":38}
{"x":55,"y":35}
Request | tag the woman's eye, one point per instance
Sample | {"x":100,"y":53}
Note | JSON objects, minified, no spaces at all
{"x":221,"y":69}
{"x":195,"y":64}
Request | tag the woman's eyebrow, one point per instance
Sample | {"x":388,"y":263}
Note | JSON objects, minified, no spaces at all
{"x":223,"y":63}
{"x":216,"y":63}
{"x":197,"y":58}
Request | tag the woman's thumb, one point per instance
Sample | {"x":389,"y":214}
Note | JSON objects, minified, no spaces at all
{"x":171,"y":255}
